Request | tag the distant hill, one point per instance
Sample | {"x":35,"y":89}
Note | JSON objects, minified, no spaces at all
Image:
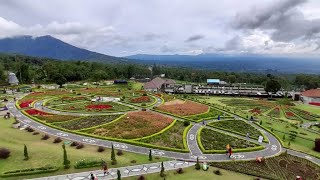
{"x":50,"y":47}
{"x":234,"y":63}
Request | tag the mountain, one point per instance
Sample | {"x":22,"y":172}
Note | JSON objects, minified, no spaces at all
{"x":234,"y":63}
{"x":50,"y":47}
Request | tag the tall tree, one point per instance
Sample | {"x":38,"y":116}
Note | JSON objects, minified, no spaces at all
{"x":113,"y":155}
{"x":66,"y":162}
{"x":272,"y":86}
{"x":25,"y":153}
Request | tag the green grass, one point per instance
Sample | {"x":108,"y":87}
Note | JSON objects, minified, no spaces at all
{"x":136,"y":86}
{"x":43,"y":153}
{"x":313,"y":109}
{"x":299,"y":144}
{"x":191,"y":174}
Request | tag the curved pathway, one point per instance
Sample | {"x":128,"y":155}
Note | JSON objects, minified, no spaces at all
{"x":271,"y":149}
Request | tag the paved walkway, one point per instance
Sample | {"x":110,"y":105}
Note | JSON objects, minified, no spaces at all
{"x":125,"y":171}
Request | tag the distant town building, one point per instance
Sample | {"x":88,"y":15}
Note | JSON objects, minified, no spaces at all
{"x":310,"y":96}
{"x":13,"y":80}
{"x":213,"y":81}
{"x":158,"y":84}
{"x":120,"y":82}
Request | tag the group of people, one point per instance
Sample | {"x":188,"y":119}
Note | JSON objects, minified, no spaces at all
{"x":228,"y":150}
{"x":105,"y":171}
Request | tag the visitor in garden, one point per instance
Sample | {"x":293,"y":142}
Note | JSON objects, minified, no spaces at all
{"x":92,"y":176}
{"x":227,"y":149}
{"x":105,"y":169}
{"x":230,"y":152}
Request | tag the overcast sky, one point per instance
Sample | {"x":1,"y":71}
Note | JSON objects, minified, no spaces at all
{"x":126,"y":27}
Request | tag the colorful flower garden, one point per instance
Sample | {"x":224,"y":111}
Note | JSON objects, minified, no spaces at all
{"x":187,"y":108}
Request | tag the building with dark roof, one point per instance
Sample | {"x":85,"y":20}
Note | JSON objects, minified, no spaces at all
{"x":158,"y":84}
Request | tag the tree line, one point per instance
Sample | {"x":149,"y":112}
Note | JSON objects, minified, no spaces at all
{"x":44,"y":70}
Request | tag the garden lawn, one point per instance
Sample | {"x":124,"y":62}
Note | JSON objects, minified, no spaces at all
{"x":172,"y":137}
{"x":133,"y":125}
{"x":304,"y":141}
{"x":191,"y":173}
{"x":310,"y":108}
{"x":237,"y":126}
{"x":43,"y":153}
{"x":93,"y":107}
{"x":213,"y":140}
{"x":279,"y":167}
{"x":87,"y":122}
{"x":187,"y":108}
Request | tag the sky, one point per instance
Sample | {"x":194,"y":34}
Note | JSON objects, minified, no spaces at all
{"x":127,"y":27}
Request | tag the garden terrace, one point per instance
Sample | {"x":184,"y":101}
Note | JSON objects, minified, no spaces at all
{"x":87,"y":122}
{"x":288,"y":114}
{"x":92,"y":107}
{"x":173,"y":137}
{"x":187,"y":108}
{"x":211,"y":114}
{"x":237,"y":126}
{"x":278,"y":167}
{"x":304,"y":114}
{"x":133,"y":125}
{"x":275,"y":112}
{"x":51,"y":118}
{"x":66,"y":100}
{"x":214,"y":140}
{"x":255,"y":106}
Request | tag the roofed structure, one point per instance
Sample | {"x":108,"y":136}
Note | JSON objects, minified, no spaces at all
{"x":311,"y":93}
{"x":157,"y":84}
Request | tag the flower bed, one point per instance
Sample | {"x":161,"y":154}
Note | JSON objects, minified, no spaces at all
{"x":255,"y":110}
{"x":246,"y":104}
{"x":133,"y":125}
{"x":26,"y":103}
{"x":51,"y":118}
{"x":35,"y":112}
{"x":305,"y":114}
{"x":141,"y":99}
{"x":172,"y":138}
{"x":238,"y":126}
{"x":87,"y":122}
{"x":278,"y":167}
{"x":99,"y":106}
{"x":214,"y":140}
{"x":275,"y":112}
{"x":93,"y":106}
{"x":185,"y":109}
{"x":289,"y":114}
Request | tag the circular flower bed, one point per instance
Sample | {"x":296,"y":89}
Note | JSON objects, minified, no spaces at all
{"x":99,"y":106}
{"x":26,"y":103}
{"x":33,"y":112}
{"x":141,"y":99}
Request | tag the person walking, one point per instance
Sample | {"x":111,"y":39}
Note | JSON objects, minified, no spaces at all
{"x":92,"y":176}
{"x":230,"y":152}
{"x":105,"y":169}
{"x":227,"y":149}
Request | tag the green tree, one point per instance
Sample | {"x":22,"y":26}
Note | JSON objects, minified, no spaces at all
{"x":66,"y":162}
{"x":150,"y":155}
{"x":59,"y":79}
{"x":113,"y":155}
{"x":272,"y":86}
{"x":118,"y":175}
{"x":162,"y":174}
{"x":25,"y":152}
{"x":197,"y":165}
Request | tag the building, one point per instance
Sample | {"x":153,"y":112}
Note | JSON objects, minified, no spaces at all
{"x":311,"y":96}
{"x":158,"y":84}
{"x":12,"y":79}
{"x":213,"y":81}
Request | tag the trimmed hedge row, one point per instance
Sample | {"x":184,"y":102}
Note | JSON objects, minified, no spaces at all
{"x":109,"y":138}
{"x":185,"y":133}
{"x":257,"y":148}
{"x":88,"y":163}
{"x":29,"y":171}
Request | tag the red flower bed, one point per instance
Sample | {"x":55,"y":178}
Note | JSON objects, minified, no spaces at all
{"x":159,"y":95}
{"x":34,"y":112}
{"x":256,"y":110}
{"x":26,"y":103}
{"x":141,"y":99}
{"x":315,"y":103}
{"x":290,"y":114}
{"x":99,"y":106}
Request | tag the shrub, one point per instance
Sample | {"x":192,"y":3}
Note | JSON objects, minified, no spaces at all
{"x":133,"y":161}
{"x":144,"y":94}
{"x":88,"y":163}
{"x":186,"y":123}
{"x":143,"y":109}
{"x":74,"y":143}
{"x":114,"y":162}
{"x":57,"y":140}
{"x":162,"y":174}
{"x":29,"y":129}
{"x":179,"y":171}
{"x":66,"y":162}
{"x":35,"y":133}
{"x":45,"y":137}
{"x":317,"y":145}
{"x":25,"y":153}
{"x":80,"y":146}
{"x":197,"y":165}
{"x":100,"y":149}
{"x":150,"y":155}
{"x":119,"y":152}
{"x":4,"y":153}
{"x":141,"y":177}
{"x":143,"y":104}
{"x":217,"y":172}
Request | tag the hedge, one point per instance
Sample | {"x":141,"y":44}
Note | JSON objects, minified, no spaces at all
{"x":257,"y":148}
{"x":185,"y":133}
{"x":88,"y":163}
{"x":29,"y":171}
{"x":109,"y":138}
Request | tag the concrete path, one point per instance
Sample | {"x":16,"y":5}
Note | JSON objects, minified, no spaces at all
{"x":125,"y":171}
